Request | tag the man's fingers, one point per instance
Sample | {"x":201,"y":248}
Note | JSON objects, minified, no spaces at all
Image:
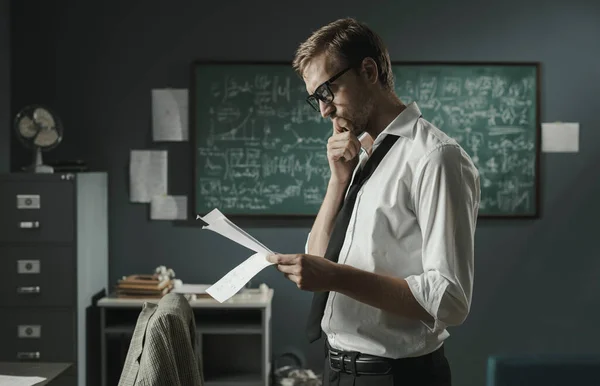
{"x":288,"y":269}
{"x":353,"y":145}
{"x":349,"y":154}
{"x":345,"y":153}
{"x":341,"y":137}
{"x":342,"y":125}
{"x":278,"y":258}
{"x":294,"y":278}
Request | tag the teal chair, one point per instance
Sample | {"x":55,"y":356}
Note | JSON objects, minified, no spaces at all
{"x":543,"y":370}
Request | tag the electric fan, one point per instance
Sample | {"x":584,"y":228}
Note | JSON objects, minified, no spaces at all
{"x":40,"y":129}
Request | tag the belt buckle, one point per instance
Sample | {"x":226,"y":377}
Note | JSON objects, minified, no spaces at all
{"x":353,"y":355}
{"x":329,"y":354}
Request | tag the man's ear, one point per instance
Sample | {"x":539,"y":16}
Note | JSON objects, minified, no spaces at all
{"x":370,"y":70}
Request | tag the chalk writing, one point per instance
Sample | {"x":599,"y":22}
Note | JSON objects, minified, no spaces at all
{"x":260,"y":148}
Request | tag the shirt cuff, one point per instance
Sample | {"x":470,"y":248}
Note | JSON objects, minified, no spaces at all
{"x":429,"y":289}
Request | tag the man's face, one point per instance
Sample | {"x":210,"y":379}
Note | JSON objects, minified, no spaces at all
{"x":351,"y":105}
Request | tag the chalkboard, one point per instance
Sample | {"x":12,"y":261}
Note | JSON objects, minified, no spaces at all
{"x":260,"y":149}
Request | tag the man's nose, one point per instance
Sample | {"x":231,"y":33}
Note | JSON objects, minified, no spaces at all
{"x":326,"y":108}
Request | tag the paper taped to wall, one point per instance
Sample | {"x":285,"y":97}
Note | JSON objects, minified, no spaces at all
{"x":560,"y":137}
{"x":170,"y":115}
{"x":147,"y":174}
{"x":235,"y":279}
{"x":168,"y":208}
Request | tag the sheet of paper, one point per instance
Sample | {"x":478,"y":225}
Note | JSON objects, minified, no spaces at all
{"x":191,"y":289}
{"x":560,"y":137}
{"x":170,"y":115}
{"x":147,"y":174}
{"x":168,"y":208}
{"x":13,"y":380}
{"x":237,"y":278}
{"x":217,"y":222}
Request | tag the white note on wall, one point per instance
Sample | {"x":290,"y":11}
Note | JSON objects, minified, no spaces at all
{"x":235,"y":279}
{"x":170,"y":114}
{"x":147,"y":174}
{"x":168,"y":208}
{"x":560,"y":137}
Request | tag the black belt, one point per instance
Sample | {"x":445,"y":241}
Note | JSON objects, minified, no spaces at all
{"x":363,"y":364}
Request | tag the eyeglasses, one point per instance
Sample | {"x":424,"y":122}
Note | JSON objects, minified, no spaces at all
{"x":323,"y":92}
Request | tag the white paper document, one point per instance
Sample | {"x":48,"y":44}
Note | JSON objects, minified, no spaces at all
{"x":235,"y":280}
{"x":560,"y":137}
{"x":170,"y":115}
{"x":168,"y":208}
{"x":217,"y":222}
{"x":13,"y":380}
{"x":147,"y":174}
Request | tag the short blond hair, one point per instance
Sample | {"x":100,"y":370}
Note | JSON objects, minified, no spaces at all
{"x":350,"y":41}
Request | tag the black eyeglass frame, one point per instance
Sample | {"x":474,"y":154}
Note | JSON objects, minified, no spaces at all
{"x":318,"y":94}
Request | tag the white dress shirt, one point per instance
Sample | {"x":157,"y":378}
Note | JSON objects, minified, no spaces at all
{"x":414,"y":218}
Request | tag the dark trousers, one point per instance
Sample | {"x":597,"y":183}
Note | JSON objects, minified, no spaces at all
{"x":428,"y":370}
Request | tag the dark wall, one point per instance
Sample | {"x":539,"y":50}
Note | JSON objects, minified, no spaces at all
{"x":5,"y":120}
{"x":536,"y":283}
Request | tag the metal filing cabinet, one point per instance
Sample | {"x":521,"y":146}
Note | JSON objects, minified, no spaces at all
{"x":54,"y":261}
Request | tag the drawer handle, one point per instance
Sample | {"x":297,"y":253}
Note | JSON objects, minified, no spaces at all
{"x":29,"y":290}
{"x":29,"y":331}
{"x":29,"y":224}
{"x":28,"y":355}
{"x":28,"y":267}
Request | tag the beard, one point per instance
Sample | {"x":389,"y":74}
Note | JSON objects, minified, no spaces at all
{"x":360,"y":113}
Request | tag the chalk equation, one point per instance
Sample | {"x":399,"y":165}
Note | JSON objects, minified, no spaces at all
{"x":493,"y":117}
{"x":261,"y":148}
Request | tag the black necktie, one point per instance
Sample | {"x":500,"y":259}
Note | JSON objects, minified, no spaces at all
{"x":338,"y":234}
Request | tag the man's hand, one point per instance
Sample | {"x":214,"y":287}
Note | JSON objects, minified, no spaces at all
{"x":315,"y":273}
{"x":343,"y":148}
{"x":310,"y":273}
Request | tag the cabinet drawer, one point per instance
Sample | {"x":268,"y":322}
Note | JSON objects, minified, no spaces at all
{"x":37,"y":335}
{"x":37,"y":211}
{"x":37,"y":276}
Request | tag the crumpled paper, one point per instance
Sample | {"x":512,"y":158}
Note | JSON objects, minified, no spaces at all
{"x":291,"y":376}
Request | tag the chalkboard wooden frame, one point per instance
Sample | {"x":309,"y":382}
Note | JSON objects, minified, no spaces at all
{"x":536,"y":66}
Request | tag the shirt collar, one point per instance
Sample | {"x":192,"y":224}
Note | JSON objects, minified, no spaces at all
{"x":403,"y":124}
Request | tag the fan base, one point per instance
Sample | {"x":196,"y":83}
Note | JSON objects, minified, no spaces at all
{"x":38,"y":164}
{"x":39,"y":169}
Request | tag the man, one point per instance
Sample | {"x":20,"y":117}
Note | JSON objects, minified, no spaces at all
{"x":396,"y":226}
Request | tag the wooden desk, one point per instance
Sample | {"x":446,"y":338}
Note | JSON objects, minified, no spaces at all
{"x":49,"y":370}
{"x":234,"y":337}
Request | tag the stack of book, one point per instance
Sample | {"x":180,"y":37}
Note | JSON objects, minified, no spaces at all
{"x":143,"y":286}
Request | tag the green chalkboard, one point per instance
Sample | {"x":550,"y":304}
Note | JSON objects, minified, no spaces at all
{"x":260,"y":149}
